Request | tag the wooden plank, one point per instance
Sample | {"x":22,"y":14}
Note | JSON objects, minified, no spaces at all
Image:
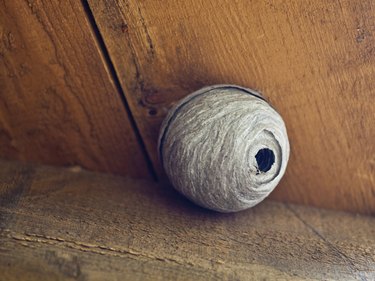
{"x":314,"y":60}
{"x":76,"y":225}
{"x":58,"y":102}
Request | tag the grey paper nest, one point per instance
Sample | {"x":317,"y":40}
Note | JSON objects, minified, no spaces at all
{"x":224,"y":147}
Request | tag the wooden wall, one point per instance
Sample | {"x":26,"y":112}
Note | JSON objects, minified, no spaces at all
{"x":58,"y":102}
{"x":89,"y":83}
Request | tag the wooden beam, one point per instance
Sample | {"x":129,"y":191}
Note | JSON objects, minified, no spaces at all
{"x":69,"y":224}
{"x":314,"y":60}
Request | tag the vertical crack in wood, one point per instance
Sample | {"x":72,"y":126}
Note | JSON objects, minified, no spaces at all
{"x":115,"y":78}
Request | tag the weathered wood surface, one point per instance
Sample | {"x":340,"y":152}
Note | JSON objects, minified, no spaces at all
{"x":58,"y":101}
{"x":69,"y":224}
{"x":314,"y":60}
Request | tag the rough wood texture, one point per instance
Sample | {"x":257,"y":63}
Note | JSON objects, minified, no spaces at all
{"x":314,"y":60}
{"x":75,"y":225}
{"x":58,"y":103}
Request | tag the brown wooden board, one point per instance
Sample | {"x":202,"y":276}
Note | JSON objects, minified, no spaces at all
{"x":58,"y":101}
{"x":69,"y":224}
{"x":313,"y":60}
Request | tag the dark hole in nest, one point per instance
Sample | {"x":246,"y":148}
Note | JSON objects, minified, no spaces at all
{"x":265,"y":159}
{"x":152,"y":112}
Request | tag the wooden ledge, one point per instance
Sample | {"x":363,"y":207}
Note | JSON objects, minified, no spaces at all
{"x":69,"y":224}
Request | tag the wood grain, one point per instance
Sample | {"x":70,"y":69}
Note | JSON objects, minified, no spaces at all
{"x":58,"y":101}
{"x":314,"y":60}
{"x":69,"y":224}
